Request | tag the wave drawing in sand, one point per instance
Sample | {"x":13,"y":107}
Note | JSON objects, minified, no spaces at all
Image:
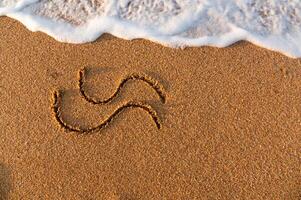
{"x":57,"y":98}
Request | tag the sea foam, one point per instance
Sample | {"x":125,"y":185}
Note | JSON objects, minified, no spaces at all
{"x":273,"y":24}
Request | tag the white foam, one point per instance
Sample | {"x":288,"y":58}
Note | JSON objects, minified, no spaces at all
{"x":273,"y":24}
{"x":9,"y":6}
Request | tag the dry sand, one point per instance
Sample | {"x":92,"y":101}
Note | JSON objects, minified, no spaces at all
{"x":231,"y":124}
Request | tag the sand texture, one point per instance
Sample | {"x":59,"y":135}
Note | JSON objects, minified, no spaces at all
{"x":203,"y":123}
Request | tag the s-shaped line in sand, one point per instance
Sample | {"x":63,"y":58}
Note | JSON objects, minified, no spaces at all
{"x":57,"y":98}
{"x":135,"y":77}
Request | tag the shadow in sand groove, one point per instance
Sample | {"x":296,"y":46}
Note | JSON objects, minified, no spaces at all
{"x":5,"y":184}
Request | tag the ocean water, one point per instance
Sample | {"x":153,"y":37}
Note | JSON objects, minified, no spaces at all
{"x":272,"y":24}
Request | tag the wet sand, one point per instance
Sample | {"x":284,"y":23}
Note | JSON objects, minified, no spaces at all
{"x":230,"y":127}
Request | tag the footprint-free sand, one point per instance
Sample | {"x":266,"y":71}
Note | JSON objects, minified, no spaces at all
{"x":230,"y":126}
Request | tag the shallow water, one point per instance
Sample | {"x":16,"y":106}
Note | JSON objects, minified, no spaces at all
{"x":273,"y":24}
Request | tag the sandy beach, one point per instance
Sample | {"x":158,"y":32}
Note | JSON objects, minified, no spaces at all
{"x":230,"y":127}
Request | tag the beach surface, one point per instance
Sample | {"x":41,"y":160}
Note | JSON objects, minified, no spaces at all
{"x":230,"y":126}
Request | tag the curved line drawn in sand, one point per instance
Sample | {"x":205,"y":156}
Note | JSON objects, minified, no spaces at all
{"x":57,"y":96}
{"x":136,"y":77}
